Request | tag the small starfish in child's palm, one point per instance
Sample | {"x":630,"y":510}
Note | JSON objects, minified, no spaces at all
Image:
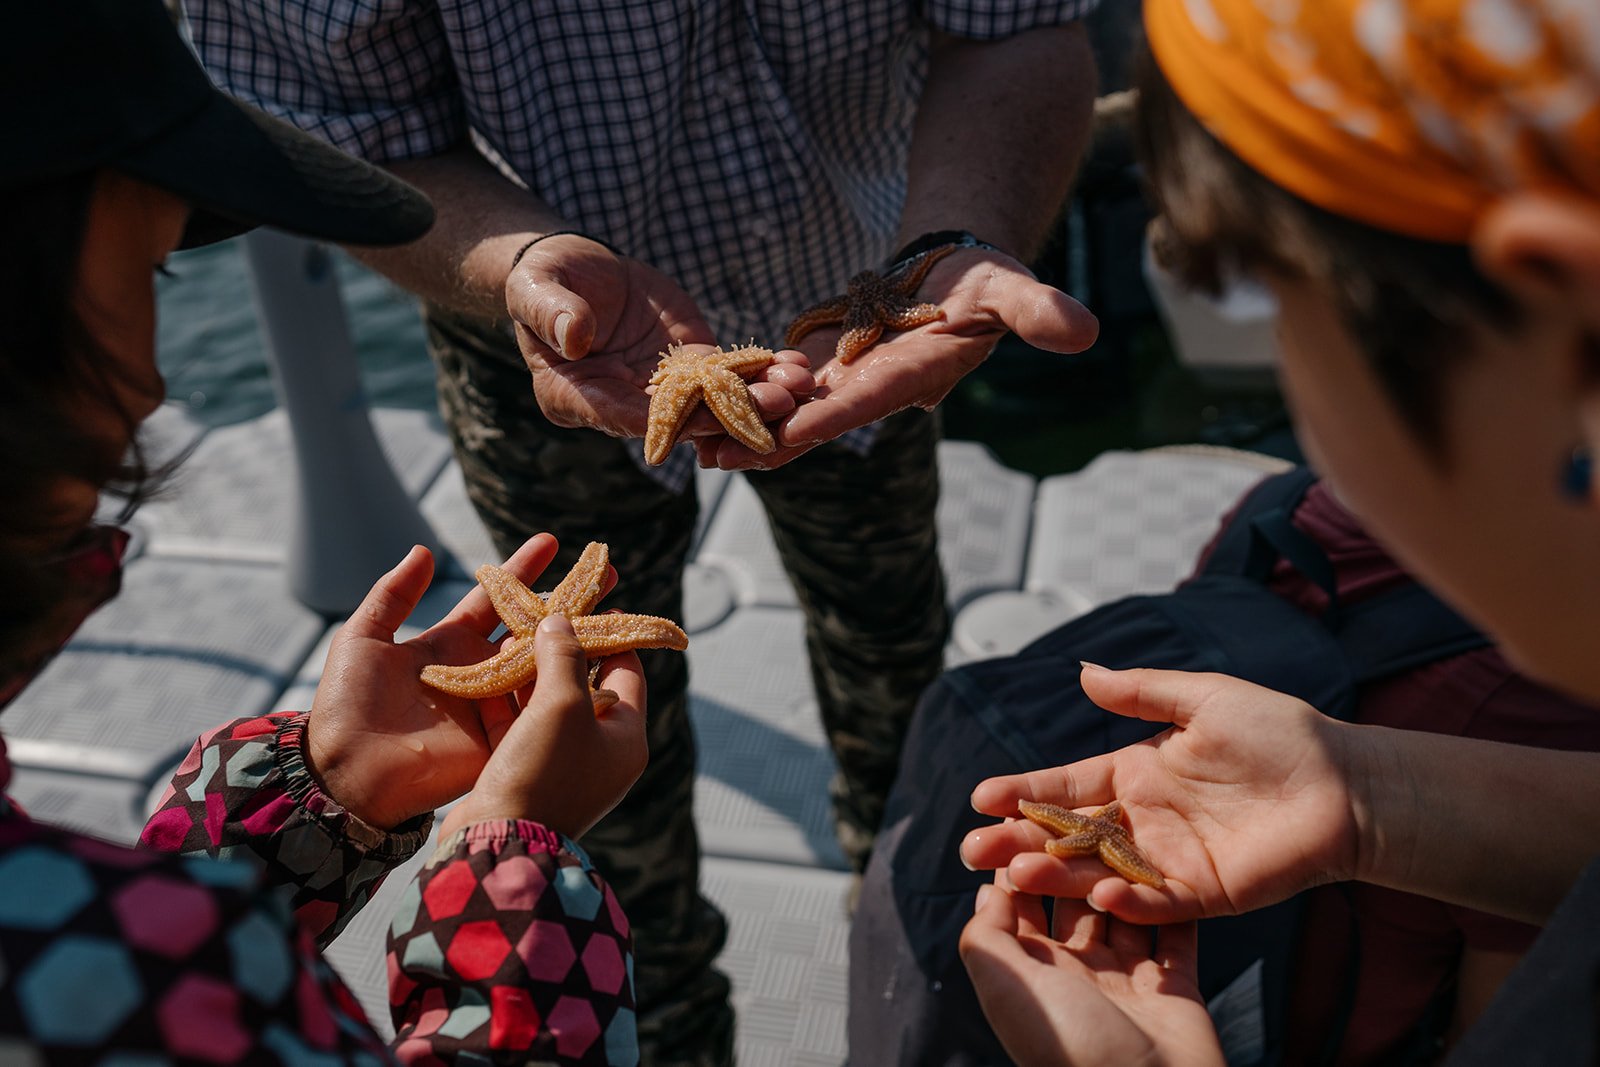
{"x":1098,"y":834}
{"x":872,"y":302}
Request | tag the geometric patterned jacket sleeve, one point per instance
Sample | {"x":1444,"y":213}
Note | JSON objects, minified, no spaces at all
{"x":507,"y":947}
{"x":244,"y":792}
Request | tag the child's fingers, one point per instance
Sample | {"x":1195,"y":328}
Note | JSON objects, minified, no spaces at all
{"x":527,"y":563}
{"x":624,"y":676}
{"x":1046,"y":875}
{"x":1153,"y":695}
{"x":563,"y":681}
{"x":989,"y":847}
{"x":1086,"y":783}
{"x":393,"y":598}
{"x":1076,"y":925}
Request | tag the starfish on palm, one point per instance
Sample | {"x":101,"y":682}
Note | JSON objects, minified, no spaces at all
{"x":1098,"y":834}
{"x":521,"y":609}
{"x":683,"y":379}
{"x":872,"y":302}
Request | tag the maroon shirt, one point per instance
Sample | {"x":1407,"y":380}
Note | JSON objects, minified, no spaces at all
{"x":1409,"y":946}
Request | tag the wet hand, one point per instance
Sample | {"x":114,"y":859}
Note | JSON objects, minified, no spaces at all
{"x":984,"y":296}
{"x":1243,"y":803}
{"x":592,"y":325}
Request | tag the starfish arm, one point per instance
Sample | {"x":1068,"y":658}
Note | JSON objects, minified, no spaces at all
{"x":1111,"y":813}
{"x":1085,"y":844}
{"x":1122,"y":856}
{"x":580,"y":590}
{"x":670,"y":405}
{"x":827,"y":313}
{"x":606,"y":635}
{"x":909,"y":280}
{"x":1063,"y":822}
{"x":744,"y":361}
{"x":856,"y":339}
{"x":518,"y":606}
{"x":730,"y":401}
{"x":509,"y":669}
{"x":909,"y":318}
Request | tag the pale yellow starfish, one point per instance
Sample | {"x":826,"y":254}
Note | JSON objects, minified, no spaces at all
{"x":1099,"y":834}
{"x":683,"y":379}
{"x":872,"y":302}
{"x":521,"y":609}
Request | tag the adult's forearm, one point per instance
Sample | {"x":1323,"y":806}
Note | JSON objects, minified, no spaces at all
{"x":1501,"y":828}
{"x":483,"y":219}
{"x":1000,"y":129}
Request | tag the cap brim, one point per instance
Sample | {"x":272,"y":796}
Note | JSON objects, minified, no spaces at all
{"x":240,"y":168}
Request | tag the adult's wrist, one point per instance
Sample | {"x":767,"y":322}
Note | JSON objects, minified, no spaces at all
{"x":529,"y":245}
{"x":933,"y":239}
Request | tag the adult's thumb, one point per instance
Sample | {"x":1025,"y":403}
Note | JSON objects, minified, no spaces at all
{"x":557,"y":316}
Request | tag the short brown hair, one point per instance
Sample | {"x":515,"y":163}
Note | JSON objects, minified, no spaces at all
{"x":1412,"y":305}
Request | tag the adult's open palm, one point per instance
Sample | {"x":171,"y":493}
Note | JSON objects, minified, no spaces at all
{"x":592,"y":326}
{"x":984,"y":295}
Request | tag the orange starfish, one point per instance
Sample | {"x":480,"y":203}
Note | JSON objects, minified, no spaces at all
{"x":1100,"y":834}
{"x":871,"y":303}
{"x":682,"y":380}
{"x":521,"y":609}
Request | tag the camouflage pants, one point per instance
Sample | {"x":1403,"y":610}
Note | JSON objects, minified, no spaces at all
{"x":858,"y":540}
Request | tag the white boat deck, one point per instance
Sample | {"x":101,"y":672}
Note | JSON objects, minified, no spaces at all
{"x":206,"y":630}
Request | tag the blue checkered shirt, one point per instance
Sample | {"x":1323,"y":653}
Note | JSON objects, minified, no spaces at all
{"x":753,"y":151}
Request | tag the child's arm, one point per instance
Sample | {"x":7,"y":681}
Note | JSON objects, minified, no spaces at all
{"x":509,"y":940}
{"x":329,"y":801}
{"x":1254,"y":796}
{"x":244,"y":792}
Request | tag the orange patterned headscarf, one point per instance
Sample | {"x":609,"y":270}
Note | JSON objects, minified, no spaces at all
{"x":1409,"y":115}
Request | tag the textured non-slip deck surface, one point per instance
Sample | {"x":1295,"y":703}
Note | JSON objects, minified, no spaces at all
{"x":206,"y":630}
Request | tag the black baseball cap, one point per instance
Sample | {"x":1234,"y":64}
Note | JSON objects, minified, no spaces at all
{"x":90,"y":84}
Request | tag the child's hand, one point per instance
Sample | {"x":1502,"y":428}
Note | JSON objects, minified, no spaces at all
{"x":380,"y":742}
{"x":1245,"y":802}
{"x":560,"y":763}
{"x":1100,"y":991}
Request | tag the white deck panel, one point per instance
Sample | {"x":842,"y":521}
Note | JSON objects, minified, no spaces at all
{"x":763,"y":760}
{"x":187,"y":645}
{"x":786,"y":955}
{"x":738,"y":540}
{"x":111,"y":809}
{"x":455,"y":523}
{"x":1132,"y":522}
{"x":234,"y":497}
{"x":985,"y":512}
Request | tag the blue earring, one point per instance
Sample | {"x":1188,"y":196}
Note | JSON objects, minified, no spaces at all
{"x":1577,"y":475}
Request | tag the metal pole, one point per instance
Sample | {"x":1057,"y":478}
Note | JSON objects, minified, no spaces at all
{"x":354,"y":520}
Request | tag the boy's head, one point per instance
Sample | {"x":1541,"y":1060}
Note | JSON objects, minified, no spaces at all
{"x":1419,"y":182}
